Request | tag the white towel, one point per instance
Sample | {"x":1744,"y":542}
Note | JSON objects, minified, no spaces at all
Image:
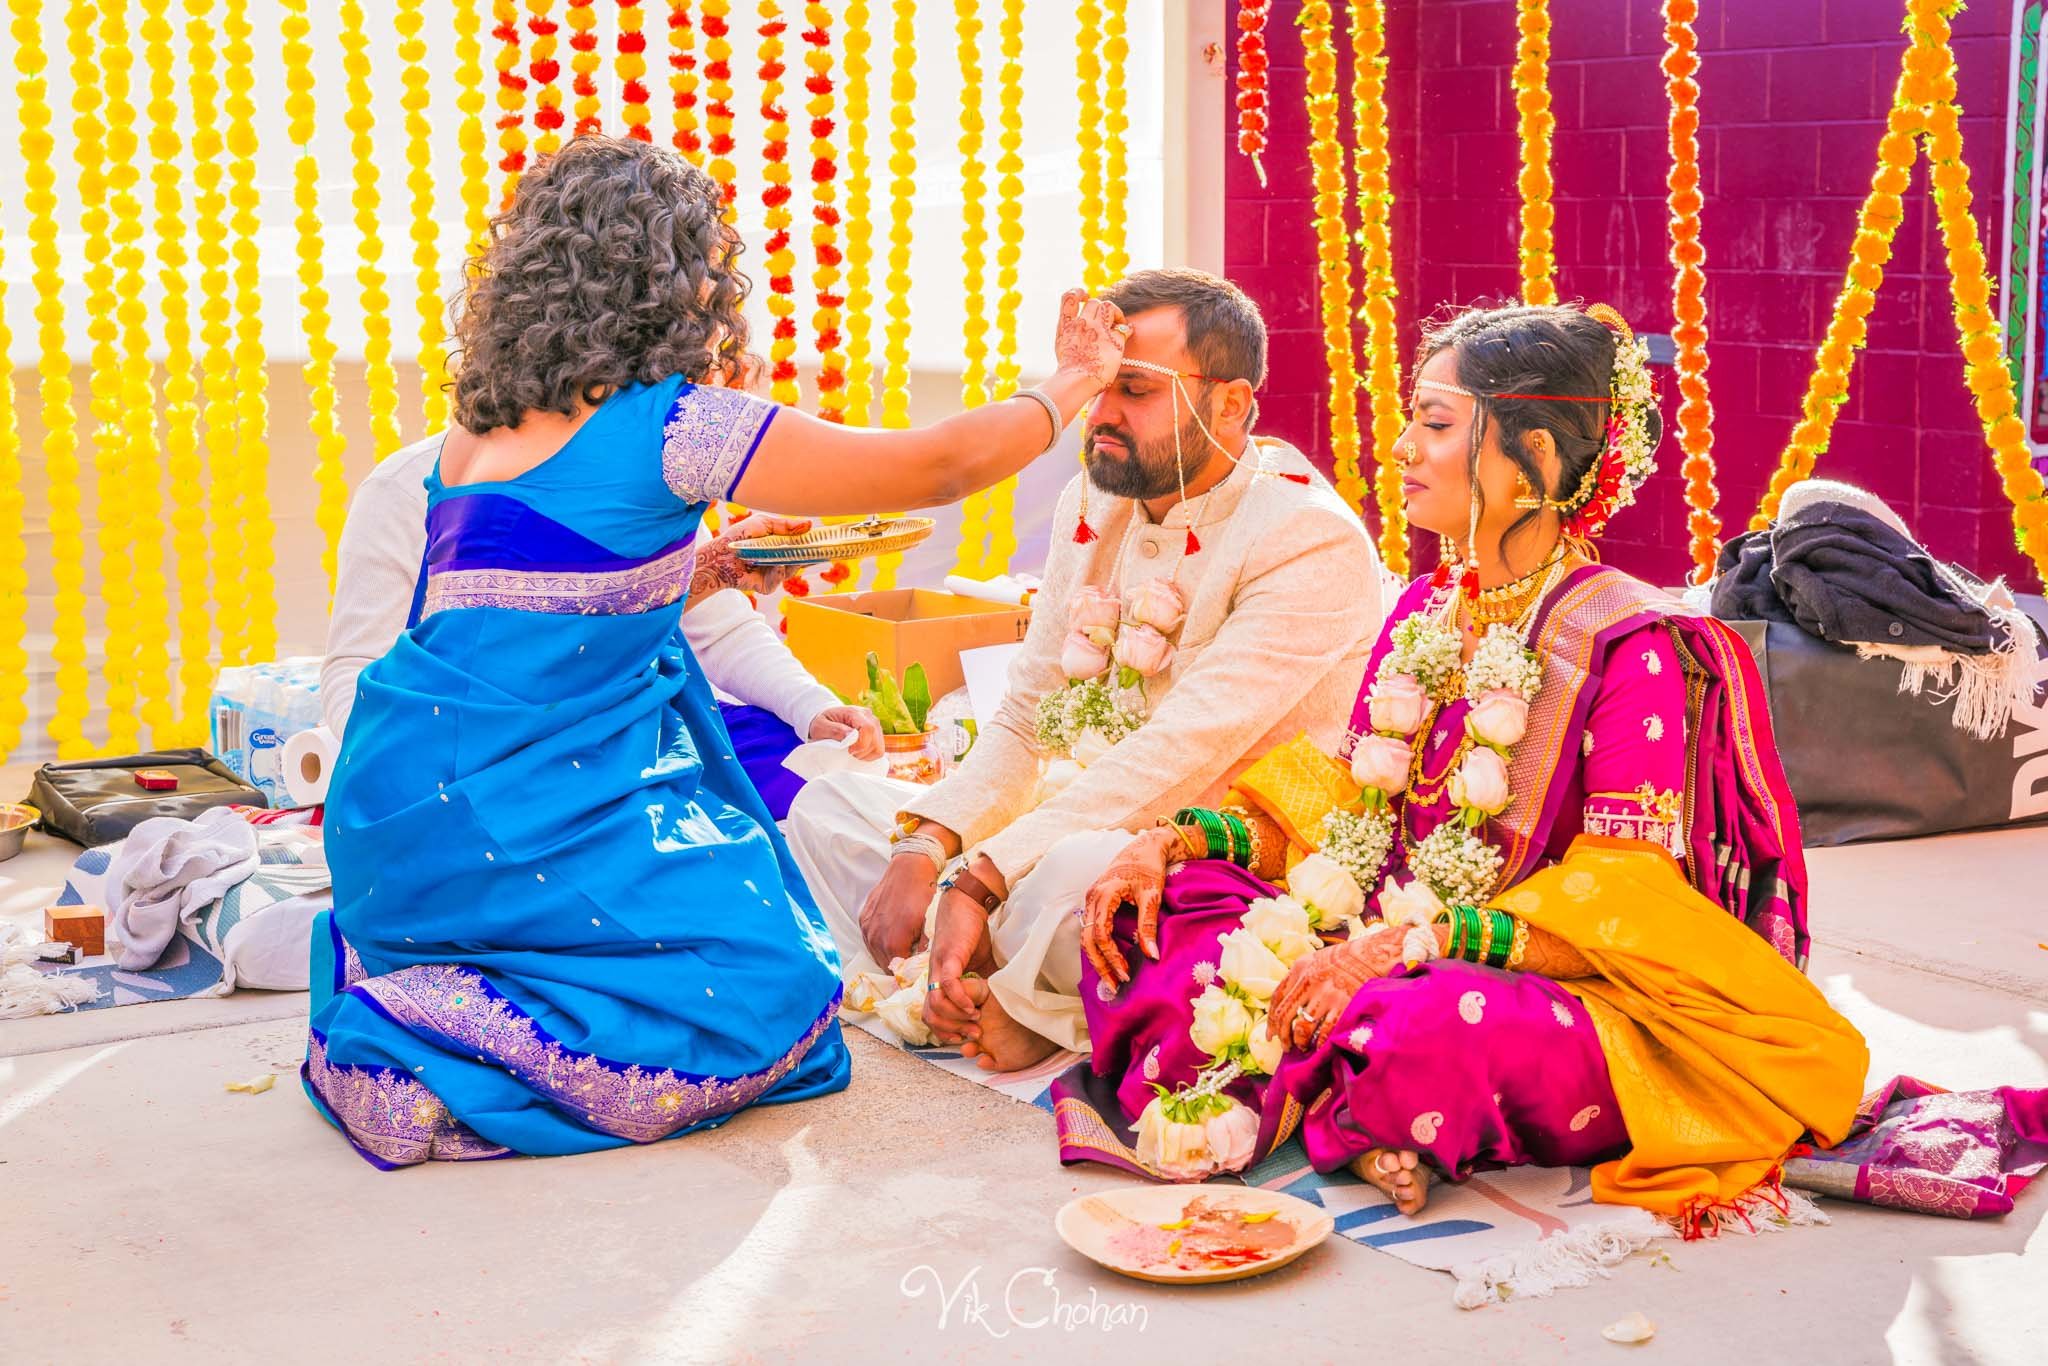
{"x":168,"y":871}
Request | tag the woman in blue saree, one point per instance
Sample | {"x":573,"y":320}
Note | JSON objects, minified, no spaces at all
{"x":563,"y":918}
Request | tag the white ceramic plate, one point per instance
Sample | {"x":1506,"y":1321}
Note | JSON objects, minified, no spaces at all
{"x":1091,"y":1225}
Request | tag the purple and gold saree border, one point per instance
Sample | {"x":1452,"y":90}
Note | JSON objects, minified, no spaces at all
{"x":645,"y":587}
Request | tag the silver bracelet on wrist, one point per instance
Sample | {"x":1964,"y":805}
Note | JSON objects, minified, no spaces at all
{"x":927,"y":845}
{"x":1052,"y":412}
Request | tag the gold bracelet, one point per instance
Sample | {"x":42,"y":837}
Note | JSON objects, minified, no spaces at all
{"x":1194,"y":854}
{"x":1520,"y":944}
{"x":1485,"y":936}
{"x":1251,"y":830}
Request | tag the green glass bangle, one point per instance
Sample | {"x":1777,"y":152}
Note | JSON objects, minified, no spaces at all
{"x":1214,"y":836}
{"x":1503,"y":939}
{"x":1475,"y":929}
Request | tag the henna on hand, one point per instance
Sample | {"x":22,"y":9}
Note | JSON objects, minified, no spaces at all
{"x":715,"y":569}
{"x":1089,"y":338}
{"x":1548,"y":956}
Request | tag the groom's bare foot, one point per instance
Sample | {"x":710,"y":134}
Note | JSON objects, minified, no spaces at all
{"x":1397,"y":1172}
{"x":1000,"y":1043}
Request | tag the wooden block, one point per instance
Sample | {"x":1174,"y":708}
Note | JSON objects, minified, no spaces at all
{"x":85,"y":926}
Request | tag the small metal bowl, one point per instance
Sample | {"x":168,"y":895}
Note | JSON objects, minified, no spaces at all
{"x":15,"y":821}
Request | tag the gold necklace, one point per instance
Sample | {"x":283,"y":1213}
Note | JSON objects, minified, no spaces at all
{"x":1505,"y":604}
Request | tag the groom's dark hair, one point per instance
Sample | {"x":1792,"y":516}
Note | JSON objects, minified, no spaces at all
{"x":1225,"y":333}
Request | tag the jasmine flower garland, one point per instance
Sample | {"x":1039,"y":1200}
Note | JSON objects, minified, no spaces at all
{"x":1359,"y":843}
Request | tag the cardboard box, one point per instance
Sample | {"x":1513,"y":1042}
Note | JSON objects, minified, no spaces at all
{"x":832,"y":634}
{"x":85,"y":926}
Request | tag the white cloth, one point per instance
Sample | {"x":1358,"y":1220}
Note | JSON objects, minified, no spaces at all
{"x":169,"y":870}
{"x":384,"y":544}
{"x":1036,"y":935}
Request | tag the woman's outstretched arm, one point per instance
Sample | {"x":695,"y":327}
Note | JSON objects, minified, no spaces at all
{"x":809,"y":467}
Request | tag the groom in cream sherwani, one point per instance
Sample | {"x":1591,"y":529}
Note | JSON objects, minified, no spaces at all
{"x":1279,"y":593}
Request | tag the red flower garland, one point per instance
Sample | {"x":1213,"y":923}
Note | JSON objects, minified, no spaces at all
{"x":547,"y":113}
{"x":583,"y":42}
{"x":511,"y":95}
{"x":631,"y":65}
{"x":1253,"y":116}
{"x":682,"y":60}
{"x":825,"y":214}
{"x":718,"y":111}
{"x":775,"y":197}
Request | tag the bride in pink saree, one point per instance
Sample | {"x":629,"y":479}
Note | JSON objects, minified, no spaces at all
{"x":1561,"y":809}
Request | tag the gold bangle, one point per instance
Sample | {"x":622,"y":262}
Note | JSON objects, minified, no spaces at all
{"x":1251,"y":830}
{"x":1485,"y":936}
{"x":1520,"y":944}
{"x":1181,"y":835}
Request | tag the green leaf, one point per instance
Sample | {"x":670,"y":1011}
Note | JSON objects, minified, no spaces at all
{"x":1127,"y":677}
{"x":917,"y":695}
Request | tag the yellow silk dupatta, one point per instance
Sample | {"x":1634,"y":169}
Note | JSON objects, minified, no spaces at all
{"x":1297,"y":785}
{"x":1721,"y":1053}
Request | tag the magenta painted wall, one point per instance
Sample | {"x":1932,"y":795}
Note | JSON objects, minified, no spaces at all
{"x":1794,"y":94}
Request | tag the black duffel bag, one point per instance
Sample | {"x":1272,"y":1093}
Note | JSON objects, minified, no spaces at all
{"x":97,"y":801}
{"x":1867,"y":762}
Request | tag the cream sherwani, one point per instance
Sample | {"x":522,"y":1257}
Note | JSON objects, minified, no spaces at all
{"x":1284,"y":600}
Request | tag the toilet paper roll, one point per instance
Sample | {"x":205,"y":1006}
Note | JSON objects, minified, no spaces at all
{"x":309,"y":759}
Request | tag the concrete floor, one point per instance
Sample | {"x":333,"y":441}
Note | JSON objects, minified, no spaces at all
{"x":146,"y":1213}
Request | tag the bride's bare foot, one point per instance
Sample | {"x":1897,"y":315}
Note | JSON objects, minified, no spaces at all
{"x":1000,"y":1044}
{"x":1397,"y":1172}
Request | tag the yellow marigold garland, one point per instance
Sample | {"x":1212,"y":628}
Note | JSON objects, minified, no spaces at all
{"x":775,"y":199}
{"x":426,"y":232}
{"x":13,"y":561}
{"x":1116,"y":127}
{"x":830,"y":315}
{"x":470,"y":136}
{"x":1689,"y":285}
{"x":684,"y":80}
{"x":545,"y":71}
{"x":383,"y":378}
{"x":1088,"y":137}
{"x":181,"y":390}
{"x":857,"y":42}
{"x":718,"y":111}
{"x":511,"y":96}
{"x":1976,"y":322}
{"x":902,"y":194}
{"x":631,"y":67}
{"x":1333,"y":252}
{"x":1535,"y":124}
{"x":216,"y":330}
{"x":36,"y":118}
{"x":1002,"y":499}
{"x":585,"y":61}
{"x":252,"y":407}
{"x":329,"y":445}
{"x":974,"y":261}
{"x":1375,"y":213}
{"x":104,"y":382}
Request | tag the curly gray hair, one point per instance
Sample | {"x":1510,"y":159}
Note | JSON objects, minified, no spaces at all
{"x":613,"y":266}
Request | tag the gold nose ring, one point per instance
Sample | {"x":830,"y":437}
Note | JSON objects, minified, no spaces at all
{"x":1410,"y":453}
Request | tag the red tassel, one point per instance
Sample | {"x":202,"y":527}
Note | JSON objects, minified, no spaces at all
{"x":1083,"y":533}
{"x":1439,"y":576}
{"x":1194,"y":546}
{"x":1470,"y":583}
{"x":1297,"y":478}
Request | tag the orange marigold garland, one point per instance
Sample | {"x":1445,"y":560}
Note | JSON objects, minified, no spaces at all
{"x":1333,"y":251}
{"x":825,"y":215}
{"x":511,"y":95}
{"x":718,"y":114}
{"x":1116,"y":127}
{"x":775,"y":198}
{"x":1088,"y":136}
{"x":1689,"y":285}
{"x":683,"y":80}
{"x":1002,"y":499}
{"x":585,"y":61}
{"x":546,"y":73}
{"x":857,"y":43}
{"x":1375,"y":210}
{"x":470,"y":137}
{"x":1532,"y":104}
{"x":902,"y":197}
{"x":1976,"y":323}
{"x":1254,"y":113}
{"x":631,"y":66}
{"x":974,"y":267}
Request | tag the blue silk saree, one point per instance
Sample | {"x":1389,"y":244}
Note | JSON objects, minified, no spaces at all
{"x":564,"y":920}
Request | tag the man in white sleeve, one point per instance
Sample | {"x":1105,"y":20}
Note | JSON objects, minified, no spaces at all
{"x":770,"y":703}
{"x":1223,"y":570}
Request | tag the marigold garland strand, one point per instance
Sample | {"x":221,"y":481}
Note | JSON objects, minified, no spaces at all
{"x":1976,"y":323}
{"x":585,"y":62}
{"x":1002,"y":499}
{"x":1088,"y":137}
{"x":148,"y":590}
{"x":857,"y":43}
{"x":973,"y":549}
{"x":1254,"y":113}
{"x":718,"y":111}
{"x":511,"y":96}
{"x":544,"y":70}
{"x":181,"y":390}
{"x":36,"y":118}
{"x":426,"y":232}
{"x":1535,"y":124}
{"x":216,"y":327}
{"x":470,"y":137}
{"x":1689,"y":286}
{"x":1116,"y":127}
{"x":252,"y":407}
{"x":684,"y":80}
{"x":13,"y":560}
{"x":775,"y":199}
{"x":829,"y":319}
{"x":902,"y":198}
{"x":630,"y":65}
{"x":370,"y":277}
{"x":1375,"y":213}
{"x":1333,"y":252}
{"x":329,"y":445}
{"x":104,"y":383}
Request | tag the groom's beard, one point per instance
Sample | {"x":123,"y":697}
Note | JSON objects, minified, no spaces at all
{"x":1123,"y":468}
